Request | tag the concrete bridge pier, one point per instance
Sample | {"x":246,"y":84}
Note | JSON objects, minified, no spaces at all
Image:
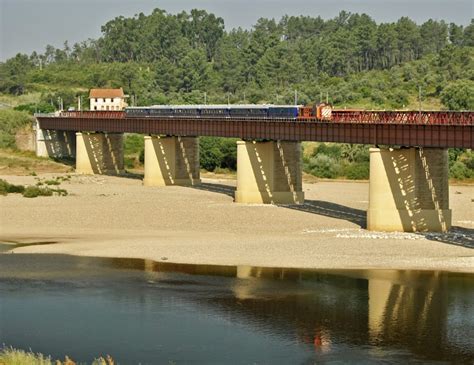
{"x":409,"y":190}
{"x":171,"y":160}
{"x":269,"y":173}
{"x":54,"y":143}
{"x":99,"y":153}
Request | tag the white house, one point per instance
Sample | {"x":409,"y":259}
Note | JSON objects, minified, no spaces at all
{"x":107,"y":99}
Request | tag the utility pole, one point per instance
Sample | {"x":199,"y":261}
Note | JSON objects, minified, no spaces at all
{"x":320,"y":97}
{"x":419,"y":100}
{"x":296,"y":97}
{"x":419,"y":97}
{"x":228,"y":99}
{"x":79,"y":103}
{"x":327,"y":97}
{"x":205,"y":98}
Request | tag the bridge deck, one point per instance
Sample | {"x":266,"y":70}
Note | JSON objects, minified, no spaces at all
{"x":428,"y":129}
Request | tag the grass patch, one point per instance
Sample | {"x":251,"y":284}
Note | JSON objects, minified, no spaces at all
{"x":35,"y":191}
{"x":7,"y":188}
{"x":11,"y":356}
{"x":32,"y":191}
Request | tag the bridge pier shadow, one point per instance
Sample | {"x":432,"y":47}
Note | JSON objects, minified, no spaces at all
{"x":458,"y":236}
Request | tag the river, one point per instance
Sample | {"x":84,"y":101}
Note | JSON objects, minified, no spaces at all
{"x":141,"y":311}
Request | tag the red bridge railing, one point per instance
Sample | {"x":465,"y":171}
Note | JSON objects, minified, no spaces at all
{"x":338,"y":116}
{"x":403,"y":117}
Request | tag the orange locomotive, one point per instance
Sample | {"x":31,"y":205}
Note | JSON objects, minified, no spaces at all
{"x":322,"y":111}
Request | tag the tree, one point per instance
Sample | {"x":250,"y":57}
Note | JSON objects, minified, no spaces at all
{"x":13,"y":74}
{"x":459,"y":95}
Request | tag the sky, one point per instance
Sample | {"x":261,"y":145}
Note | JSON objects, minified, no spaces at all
{"x":29,"y":25}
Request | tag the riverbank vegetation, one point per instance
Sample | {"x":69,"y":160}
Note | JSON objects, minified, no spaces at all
{"x":41,"y":188}
{"x":350,"y":60}
{"x":12,"y":356}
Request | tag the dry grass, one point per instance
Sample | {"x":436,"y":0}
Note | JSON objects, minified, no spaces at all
{"x":11,"y":356}
{"x":14,"y":162}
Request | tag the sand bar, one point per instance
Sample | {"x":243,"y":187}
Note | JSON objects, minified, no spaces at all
{"x":118,"y":217}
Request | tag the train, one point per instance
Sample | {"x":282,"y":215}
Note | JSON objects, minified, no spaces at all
{"x":322,"y":111}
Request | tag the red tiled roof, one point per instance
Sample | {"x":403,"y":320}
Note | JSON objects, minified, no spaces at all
{"x":106,"y":93}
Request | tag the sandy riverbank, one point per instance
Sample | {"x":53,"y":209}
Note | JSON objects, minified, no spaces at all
{"x":118,"y":217}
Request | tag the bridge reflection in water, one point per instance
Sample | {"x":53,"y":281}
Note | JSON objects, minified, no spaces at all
{"x":415,"y":311}
{"x":149,"y":312}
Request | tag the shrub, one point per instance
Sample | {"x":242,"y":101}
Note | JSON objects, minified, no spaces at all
{"x":133,"y":144}
{"x":129,"y":162}
{"x":35,"y":191}
{"x":3,"y":187}
{"x":324,"y":166}
{"x":330,"y":150}
{"x":357,"y":171}
{"x":7,"y":188}
{"x":460,"y":171}
{"x":19,"y":189}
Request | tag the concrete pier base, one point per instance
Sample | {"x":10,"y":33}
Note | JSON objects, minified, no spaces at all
{"x":269,"y":173}
{"x":409,"y":190}
{"x":171,"y":161}
{"x":99,"y":153}
{"x":54,"y":143}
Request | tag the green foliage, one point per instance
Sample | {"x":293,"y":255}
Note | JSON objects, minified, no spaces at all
{"x":7,"y":188}
{"x":459,"y":95}
{"x":10,"y":122}
{"x":357,"y":171}
{"x":35,"y":108}
{"x":324,"y":166}
{"x":461,"y":163}
{"x":218,"y":153}
{"x":35,"y":191}
{"x":133,"y":144}
{"x":336,"y":160}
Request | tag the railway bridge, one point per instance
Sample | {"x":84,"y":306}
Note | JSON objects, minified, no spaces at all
{"x":408,"y":188}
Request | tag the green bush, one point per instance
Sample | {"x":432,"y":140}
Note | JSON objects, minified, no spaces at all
{"x":129,"y":162}
{"x":7,"y":188}
{"x":357,"y":171}
{"x":19,"y":189}
{"x":35,"y":108}
{"x":218,"y":153}
{"x":35,"y":191}
{"x":133,"y":144}
{"x":324,"y":166}
{"x":460,"y":171}
{"x":4,"y":187}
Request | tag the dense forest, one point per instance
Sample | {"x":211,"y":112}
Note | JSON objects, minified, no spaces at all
{"x":162,"y":58}
{"x":190,"y":57}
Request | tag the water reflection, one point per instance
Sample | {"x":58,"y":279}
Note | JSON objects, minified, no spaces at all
{"x":177,"y":312}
